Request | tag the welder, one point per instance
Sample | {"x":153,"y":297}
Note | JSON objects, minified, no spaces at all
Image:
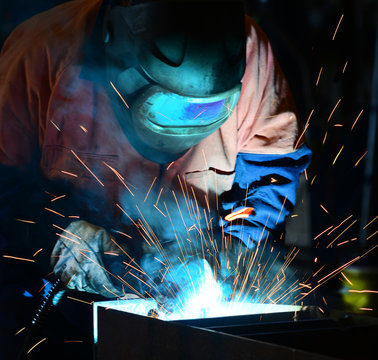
{"x":108,"y":108}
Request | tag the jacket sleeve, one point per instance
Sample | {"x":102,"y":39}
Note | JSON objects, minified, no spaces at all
{"x":271,"y":150}
{"x":26,"y":79}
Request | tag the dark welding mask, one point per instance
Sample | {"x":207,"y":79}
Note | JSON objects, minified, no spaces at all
{"x":174,"y":68}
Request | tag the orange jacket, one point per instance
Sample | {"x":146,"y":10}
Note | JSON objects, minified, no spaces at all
{"x":44,"y":105}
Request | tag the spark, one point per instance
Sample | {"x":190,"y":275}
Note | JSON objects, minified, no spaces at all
{"x":363,"y":291}
{"x":20,"y":330}
{"x":119,"y":94}
{"x":68,"y":232}
{"x":73,"y":341}
{"x":304,"y":130}
{"x":83,"y":128}
{"x":79,"y":300}
{"x":336,"y":227}
{"x":324,"y":209}
{"x":128,"y":265}
{"x":140,"y":280}
{"x":318,"y":271}
{"x":305,"y":285}
{"x":57,"y":198}
{"x":120,"y":177}
{"x":48,"y":193}
{"x":133,"y":267}
{"x":170,"y":165}
{"x":68,"y":173}
{"x":324,"y":231}
{"x":346,"y":241}
{"x":320,"y":72}
{"x":159,"y":210}
{"x":360,"y":158}
{"x":37,"y":252}
{"x":157,"y":112}
{"x":112,"y":253}
{"x":283,"y":204}
{"x":145,"y":235}
{"x":165,"y":273}
{"x":341,"y":234}
{"x":26,"y":221}
{"x":206,"y":167}
{"x":55,"y":212}
{"x":18,"y":258}
{"x":355,"y":121}
{"x":56,"y":126}
{"x":316,"y":260}
{"x":149,"y":190}
{"x":313,"y":179}
{"x":71,"y":278}
{"x":337,"y":27}
{"x":201,"y":112}
{"x":345,"y":277}
{"x":333,"y":110}
{"x":124,"y":234}
{"x":325,"y":302}
{"x":120,"y":207}
{"x":89,"y":170}
{"x":367,"y":309}
{"x":370,"y":222}
{"x":39,"y":342}
{"x":159,"y":260}
{"x":74,"y":216}
{"x":109,"y":291}
{"x":339,"y":269}
{"x":67,"y":238}
{"x":338,"y":154}
{"x":335,"y":272}
{"x":346,"y":63}
{"x":368,"y":238}
{"x":44,"y":285}
{"x":325,"y":137}
{"x":158,"y":198}
{"x":305,"y":173}
{"x":228,"y":108}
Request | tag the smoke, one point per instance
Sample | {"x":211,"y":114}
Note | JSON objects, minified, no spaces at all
{"x":191,"y":269}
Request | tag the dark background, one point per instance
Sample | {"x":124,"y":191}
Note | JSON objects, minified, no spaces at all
{"x":301,"y":34}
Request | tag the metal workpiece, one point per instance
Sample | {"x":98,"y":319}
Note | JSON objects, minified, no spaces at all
{"x":290,"y":334}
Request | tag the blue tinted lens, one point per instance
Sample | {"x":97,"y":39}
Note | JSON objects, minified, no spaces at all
{"x":167,"y":109}
{"x":202,"y":112}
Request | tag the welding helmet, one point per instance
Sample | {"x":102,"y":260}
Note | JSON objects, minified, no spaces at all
{"x":174,"y":69}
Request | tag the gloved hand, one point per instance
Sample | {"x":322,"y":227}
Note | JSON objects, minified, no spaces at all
{"x":77,"y":259}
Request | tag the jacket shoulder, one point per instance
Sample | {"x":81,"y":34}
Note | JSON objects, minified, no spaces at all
{"x":57,"y":33}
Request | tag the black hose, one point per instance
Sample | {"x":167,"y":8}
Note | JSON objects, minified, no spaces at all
{"x":37,"y":323}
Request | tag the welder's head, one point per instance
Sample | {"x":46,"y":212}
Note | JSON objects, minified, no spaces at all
{"x":178,"y":67}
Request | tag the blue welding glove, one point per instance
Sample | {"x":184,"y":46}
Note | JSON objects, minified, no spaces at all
{"x":266,"y":184}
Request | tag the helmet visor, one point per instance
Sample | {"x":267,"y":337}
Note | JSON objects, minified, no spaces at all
{"x":169,"y":110}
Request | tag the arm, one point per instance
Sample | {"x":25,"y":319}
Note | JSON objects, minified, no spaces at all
{"x":271,"y":150}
